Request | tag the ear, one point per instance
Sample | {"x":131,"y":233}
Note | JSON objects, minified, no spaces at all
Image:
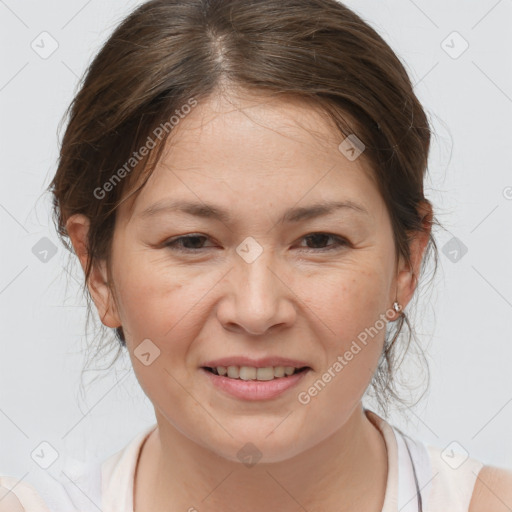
{"x":407,"y":277}
{"x":77,"y":227}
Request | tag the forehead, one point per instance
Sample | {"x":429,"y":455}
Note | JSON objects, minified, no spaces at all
{"x":255,"y":150}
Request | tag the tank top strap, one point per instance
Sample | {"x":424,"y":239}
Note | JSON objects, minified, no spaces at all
{"x":415,"y":474}
{"x":446,"y":479}
{"x":454,"y":477}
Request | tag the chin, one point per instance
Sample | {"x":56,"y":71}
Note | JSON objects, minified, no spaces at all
{"x":258,"y":448}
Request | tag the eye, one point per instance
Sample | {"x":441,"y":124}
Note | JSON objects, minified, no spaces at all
{"x":192,"y":243}
{"x":320,"y":238}
{"x":190,"y":240}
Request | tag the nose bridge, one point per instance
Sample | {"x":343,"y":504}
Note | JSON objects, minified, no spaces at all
{"x":257,"y":280}
{"x":257,"y":290}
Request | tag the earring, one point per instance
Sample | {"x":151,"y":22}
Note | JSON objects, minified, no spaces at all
{"x":397,"y":307}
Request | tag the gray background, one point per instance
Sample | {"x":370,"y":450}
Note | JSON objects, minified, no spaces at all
{"x":463,"y":321}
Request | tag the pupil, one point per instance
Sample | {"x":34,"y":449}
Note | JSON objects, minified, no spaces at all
{"x":188,"y":240}
{"x":316,"y":236}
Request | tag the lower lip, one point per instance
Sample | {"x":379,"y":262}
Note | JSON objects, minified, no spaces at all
{"x":254,"y":389}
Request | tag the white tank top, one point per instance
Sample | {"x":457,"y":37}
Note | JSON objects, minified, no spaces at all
{"x":421,"y":478}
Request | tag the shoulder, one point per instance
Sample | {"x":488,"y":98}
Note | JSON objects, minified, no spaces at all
{"x":464,"y":484}
{"x":493,"y":490}
{"x":19,"y":496}
{"x":74,"y":485}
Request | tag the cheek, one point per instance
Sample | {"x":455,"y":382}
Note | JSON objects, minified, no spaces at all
{"x":351,"y":314}
{"x":148,"y":295}
{"x":157,"y":307}
{"x":348,"y":301}
{"x":350,"y":325}
{"x":167,"y":306}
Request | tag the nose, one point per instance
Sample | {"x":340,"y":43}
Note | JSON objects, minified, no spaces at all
{"x":257,"y":297}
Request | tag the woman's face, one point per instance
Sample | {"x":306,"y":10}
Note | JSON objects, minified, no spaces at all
{"x":251,"y":284}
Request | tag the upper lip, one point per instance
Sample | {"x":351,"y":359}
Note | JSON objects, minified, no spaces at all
{"x":256,"y":363}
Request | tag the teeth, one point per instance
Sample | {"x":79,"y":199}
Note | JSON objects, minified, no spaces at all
{"x":251,"y":373}
{"x":247,"y":373}
{"x":279,"y":371}
{"x":233,"y":372}
{"x":265,"y":373}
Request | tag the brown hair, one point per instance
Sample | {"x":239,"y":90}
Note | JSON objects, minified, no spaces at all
{"x":168,"y":53}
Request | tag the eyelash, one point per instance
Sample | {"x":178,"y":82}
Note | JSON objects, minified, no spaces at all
{"x":173,"y":243}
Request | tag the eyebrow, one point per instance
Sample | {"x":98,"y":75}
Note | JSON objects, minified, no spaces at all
{"x":209,"y":211}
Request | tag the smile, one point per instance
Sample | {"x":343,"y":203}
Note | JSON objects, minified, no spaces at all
{"x":252,"y":373}
{"x":250,"y":383}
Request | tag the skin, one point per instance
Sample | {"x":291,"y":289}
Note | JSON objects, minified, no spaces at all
{"x":493,"y":490}
{"x":255,"y":157}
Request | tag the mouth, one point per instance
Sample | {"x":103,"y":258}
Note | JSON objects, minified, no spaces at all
{"x":247,"y":373}
{"x":251,"y":383}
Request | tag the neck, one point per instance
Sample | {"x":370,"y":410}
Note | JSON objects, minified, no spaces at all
{"x":345,"y":472}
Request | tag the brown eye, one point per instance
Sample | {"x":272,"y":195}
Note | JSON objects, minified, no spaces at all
{"x":322,"y":238}
{"x":190,"y":243}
